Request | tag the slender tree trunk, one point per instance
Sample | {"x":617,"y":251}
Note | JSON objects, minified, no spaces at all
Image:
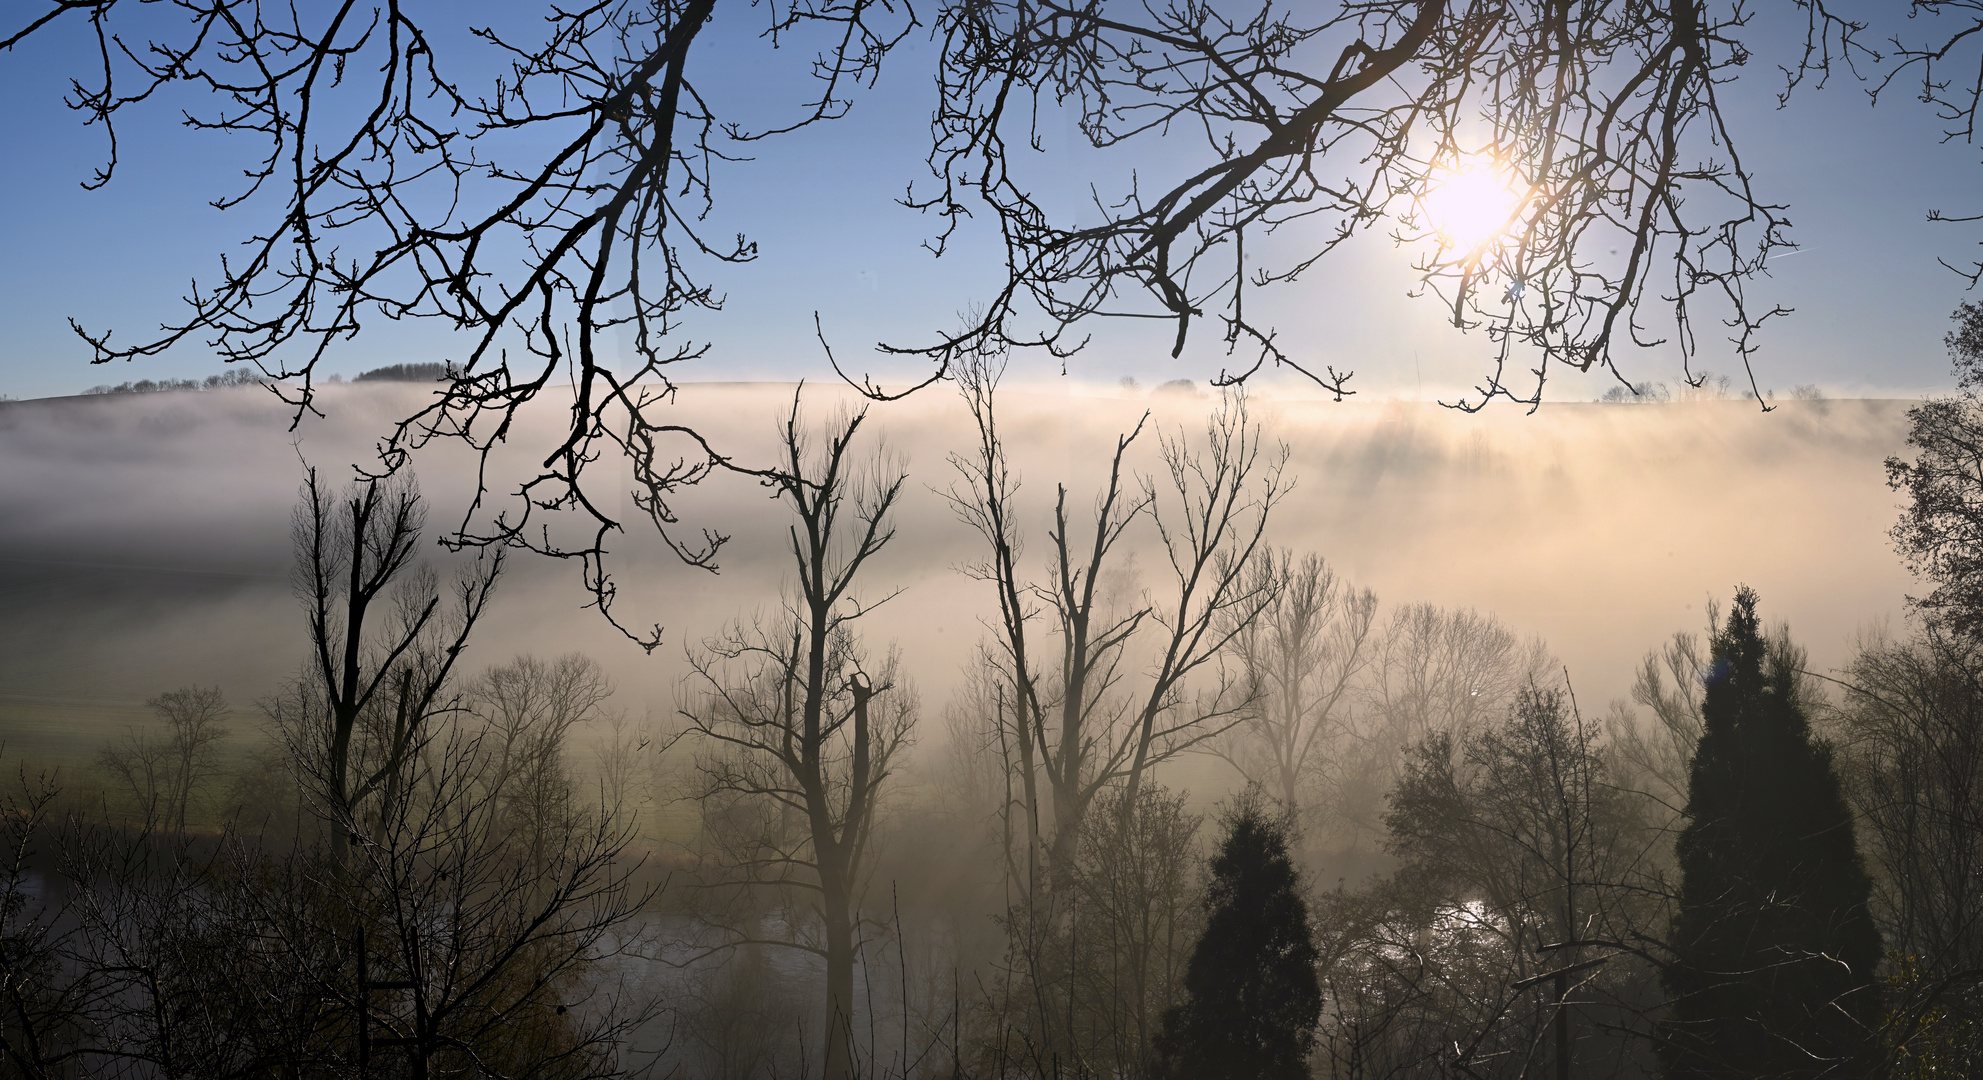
{"x":1067,"y":814}
{"x":1029,"y":787}
{"x":1291,"y":713}
{"x":1562,"y":1025}
{"x":839,"y":985}
{"x":1566,"y":957}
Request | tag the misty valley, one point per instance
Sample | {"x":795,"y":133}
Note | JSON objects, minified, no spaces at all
{"x":991,"y":540}
{"x":1129,"y":733}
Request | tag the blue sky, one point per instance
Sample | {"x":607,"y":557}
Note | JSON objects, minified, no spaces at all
{"x":1871,"y":300}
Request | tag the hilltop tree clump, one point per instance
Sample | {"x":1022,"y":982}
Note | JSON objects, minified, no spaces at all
{"x":1775,"y":948}
{"x":232,"y":377}
{"x":1252,"y":999}
{"x":429,"y":372}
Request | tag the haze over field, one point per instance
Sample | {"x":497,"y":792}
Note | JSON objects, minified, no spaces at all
{"x":147,"y":541}
{"x":1171,"y":719}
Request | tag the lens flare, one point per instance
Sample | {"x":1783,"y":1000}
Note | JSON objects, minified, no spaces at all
{"x":1469,"y":204}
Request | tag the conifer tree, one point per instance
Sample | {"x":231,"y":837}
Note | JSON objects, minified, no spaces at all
{"x":1252,"y":999}
{"x":1774,"y":946}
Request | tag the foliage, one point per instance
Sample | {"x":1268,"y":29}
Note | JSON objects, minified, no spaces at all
{"x":1523,"y":877}
{"x":431,"y":372}
{"x":1935,"y":1028}
{"x":1774,"y":945}
{"x":1251,"y":996}
{"x":1940,"y":531}
{"x":236,"y":377}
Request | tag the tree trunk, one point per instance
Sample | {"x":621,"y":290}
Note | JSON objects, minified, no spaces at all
{"x":839,"y":1058}
{"x":1562,"y":1025}
{"x":1066,"y":834}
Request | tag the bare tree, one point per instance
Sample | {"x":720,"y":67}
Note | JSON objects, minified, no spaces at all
{"x":499,"y":932}
{"x":1516,"y":826}
{"x":44,"y":1003}
{"x":445,"y":942}
{"x":162,"y":773}
{"x":1600,"y":125}
{"x":566,"y":200}
{"x":1935,"y":61}
{"x":1139,"y":680}
{"x":1135,"y":920}
{"x":425,"y":927}
{"x":971,"y":775}
{"x":1912,"y":755}
{"x":1653,"y":760}
{"x":1302,"y":657}
{"x":530,"y":707}
{"x":1012,"y":688}
{"x":563,"y":204}
{"x":1434,"y":669}
{"x":1450,"y":669}
{"x":356,"y":573}
{"x":1086,"y":726}
{"x":801,"y":736}
{"x":429,"y":928}
{"x":625,"y":766}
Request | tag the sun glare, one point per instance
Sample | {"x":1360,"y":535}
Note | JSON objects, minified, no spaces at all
{"x":1469,"y":204}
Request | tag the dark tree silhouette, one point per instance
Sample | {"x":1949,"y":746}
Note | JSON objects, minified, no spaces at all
{"x":798,"y":728}
{"x":381,"y":643}
{"x":1210,"y":512}
{"x":1912,"y":725}
{"x":536,"y":184}
{"x":1940,"y":532}
{"x":1936,"y":61}
{"x":1625,"y":186}
{"x":1774,"y":945}
{"x":1252,"y":999}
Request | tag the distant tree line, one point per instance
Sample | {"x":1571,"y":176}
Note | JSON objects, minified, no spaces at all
{"x":432,"y":372}
{"x":234,"y":377}
{"x":420,"y":372}
{"x":1708,"y":387}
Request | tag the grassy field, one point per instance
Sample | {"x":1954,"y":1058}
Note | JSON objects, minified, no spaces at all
{"x":64,"y":733}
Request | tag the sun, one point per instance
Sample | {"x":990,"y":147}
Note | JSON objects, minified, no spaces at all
{"x":1468,"y":204}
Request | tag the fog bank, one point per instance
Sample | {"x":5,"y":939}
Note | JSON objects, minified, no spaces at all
{"x":146,"y":540}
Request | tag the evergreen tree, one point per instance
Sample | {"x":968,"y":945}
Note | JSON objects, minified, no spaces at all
{"x":1251,"y":996}
{"x":1774,"y":945}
